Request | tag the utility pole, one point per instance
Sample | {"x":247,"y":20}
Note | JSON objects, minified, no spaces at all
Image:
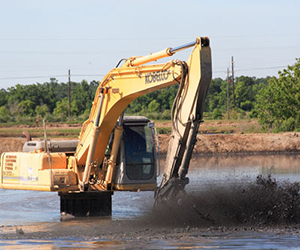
{"x":69,"y":91}
{"x":232,"y":74}
{"x":228,"y":115}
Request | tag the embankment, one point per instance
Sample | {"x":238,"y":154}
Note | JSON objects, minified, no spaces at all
{"x":227,"y":144}
{"x":211,"y":144}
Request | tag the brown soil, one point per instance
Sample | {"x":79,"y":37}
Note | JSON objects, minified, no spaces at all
{"x":10,"y":144}
{"x":241,"y":143}
{"x":211,"y":141}
{"x":210,"y":144}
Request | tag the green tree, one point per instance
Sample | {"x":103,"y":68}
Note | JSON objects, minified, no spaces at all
{"x":153,"y":106}
{"x":81,"y":97}
{"x":14,"y":110}
{"x":244,"y":92}
{"x":62,"y":108}
{"x":42,"y":110}
{"x":246,"y":89}
{"x":212,"y":100}
{"x":217,"y":114}
{"x":27,"y":107}
{"x":3,"y":97}
{"x":4,"y":114}
{"x":164,"y":98}
{"x":278,"y":104}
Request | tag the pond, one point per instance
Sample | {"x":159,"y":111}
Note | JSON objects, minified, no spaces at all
{"x":37,"y":213}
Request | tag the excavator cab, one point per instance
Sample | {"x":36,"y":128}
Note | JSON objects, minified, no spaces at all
{"x":136,"y":167}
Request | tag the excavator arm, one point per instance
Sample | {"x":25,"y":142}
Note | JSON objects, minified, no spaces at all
{"x":187,"y":114}
{"x":122,"y":85}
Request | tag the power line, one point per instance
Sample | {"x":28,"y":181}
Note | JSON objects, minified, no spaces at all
{"x":257,"y":48}
{"x":275,"y":67}
{"x":144,"y":51}
{"x":49,"y":76}
{"x":139,"y":38}
{"x":232,"y":79}
{"x":30,"y":77}
{"x":66,"y":52}
{"x":69,"y":92}
{"x":101,"y":75}
{"x":263,"y":68}
{"x":89,"y":75}
{"x":117,"y":39}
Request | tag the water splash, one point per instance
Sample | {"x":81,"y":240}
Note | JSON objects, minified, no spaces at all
{"x":263,"y":202}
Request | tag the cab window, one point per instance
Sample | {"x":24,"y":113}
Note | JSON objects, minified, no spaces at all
{"x":138,"y":152}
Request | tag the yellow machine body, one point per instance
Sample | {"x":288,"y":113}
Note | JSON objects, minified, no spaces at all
{"x":90,"y":167}
{"x":36,"y":171}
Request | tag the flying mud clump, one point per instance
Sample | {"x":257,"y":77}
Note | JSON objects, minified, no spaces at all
{"x":262,"y":203}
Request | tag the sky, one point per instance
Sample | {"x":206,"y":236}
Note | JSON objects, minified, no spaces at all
{"x":41,"y":39}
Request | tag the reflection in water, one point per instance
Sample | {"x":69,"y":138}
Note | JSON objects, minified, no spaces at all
{"x":45,"y":244}
{"x":223,"y":170}
{"x":208,"y":241}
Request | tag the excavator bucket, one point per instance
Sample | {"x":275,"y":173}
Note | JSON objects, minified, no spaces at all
{"x":187,"y":114}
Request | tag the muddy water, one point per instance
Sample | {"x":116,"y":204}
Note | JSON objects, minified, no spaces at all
{"x":31,"y":220}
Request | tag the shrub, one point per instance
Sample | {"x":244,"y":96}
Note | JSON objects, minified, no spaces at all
{"x":217,"y":114}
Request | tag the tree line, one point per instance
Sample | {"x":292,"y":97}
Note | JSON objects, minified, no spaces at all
{"x":23,"y":103}
{"x":275,"y":101}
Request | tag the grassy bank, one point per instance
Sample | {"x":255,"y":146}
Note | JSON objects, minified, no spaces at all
{"x":65,"y":130}
{"x":244,"y":126}
{"x":39,"y":132}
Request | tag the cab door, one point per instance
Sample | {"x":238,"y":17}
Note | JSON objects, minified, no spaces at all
{"x":137,"y":167}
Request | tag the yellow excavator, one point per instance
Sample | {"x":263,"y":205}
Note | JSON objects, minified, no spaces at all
{"x":115,"y":152}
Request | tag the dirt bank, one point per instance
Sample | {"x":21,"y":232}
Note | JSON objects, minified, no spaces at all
{"x":213,"y":144}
